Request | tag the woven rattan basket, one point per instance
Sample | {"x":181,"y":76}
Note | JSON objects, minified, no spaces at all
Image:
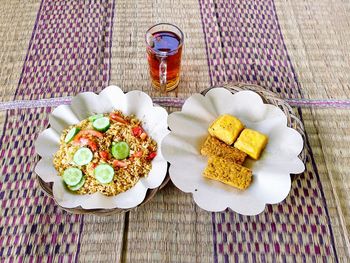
{"x":47,"y":188}
{"x":267,"y":96}
{"x":271,"y":98}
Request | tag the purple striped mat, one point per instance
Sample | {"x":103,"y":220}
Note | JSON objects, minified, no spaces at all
{"x":244,"y":43}
{"x":33,"y":228}
{"x":170,"y":102}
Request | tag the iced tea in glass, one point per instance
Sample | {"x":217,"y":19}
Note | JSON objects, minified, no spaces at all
{"x":164,"y":46}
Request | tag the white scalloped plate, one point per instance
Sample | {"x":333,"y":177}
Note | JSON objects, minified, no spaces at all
{"x":154,"y":121}
{"x":271,"y":174}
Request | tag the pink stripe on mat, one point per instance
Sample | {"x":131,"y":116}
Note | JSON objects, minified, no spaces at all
{"x":69,"y":52}
{"x":245,"y":44}
{"x":169,"y":102}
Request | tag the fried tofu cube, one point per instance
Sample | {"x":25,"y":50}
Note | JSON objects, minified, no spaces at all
{"x":226,"y":128}
{"x":251,"y":142}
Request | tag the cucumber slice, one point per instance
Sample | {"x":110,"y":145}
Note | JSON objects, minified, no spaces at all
{"x":120,"y":150}
{"x":104,"y":173}
{"x":70,"y":135}
{"x":83,"y":156}
{"x":77,"y":186}
{"x":95,"y":117}
{"x":101,"y":124}
{"x":72,"y":176}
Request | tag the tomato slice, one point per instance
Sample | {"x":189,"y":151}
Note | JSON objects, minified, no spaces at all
{"x":104,"y":155}
{"x":137,"y":131}
{"x":117,"y":163}
{"x":92,"y":145}
{"x":152,"y":155}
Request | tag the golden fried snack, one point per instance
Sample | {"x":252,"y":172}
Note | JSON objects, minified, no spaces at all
{"x":215,"y":147}
{"x":228,"y":172}
{"x":251,"y":142}
{"x":226,"y":128}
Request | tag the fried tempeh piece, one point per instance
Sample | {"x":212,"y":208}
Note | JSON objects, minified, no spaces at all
{"x":214,"y":147}
{"x":228,"y":172}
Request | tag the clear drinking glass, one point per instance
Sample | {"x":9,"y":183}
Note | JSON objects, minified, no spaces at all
{"x":164,"y":47}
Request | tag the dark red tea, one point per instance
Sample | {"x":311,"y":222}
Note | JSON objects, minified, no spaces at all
{"x":165,"y":46}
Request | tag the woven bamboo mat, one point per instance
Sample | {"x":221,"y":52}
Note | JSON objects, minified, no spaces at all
{"x":315,"y":38}
{"x":330,"y":144}
{"x":316,"y":35}
{"x":68,"y":52}
{"x":16,"y":26}
{"x":76,"y":47}
{"x":129,"y":67}
{"x":173,"y":228}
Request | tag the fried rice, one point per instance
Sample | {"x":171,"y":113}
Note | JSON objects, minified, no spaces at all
{"x":127,"y":172}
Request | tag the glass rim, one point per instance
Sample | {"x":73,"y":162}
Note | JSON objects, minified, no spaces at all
{"x":164,"y":53}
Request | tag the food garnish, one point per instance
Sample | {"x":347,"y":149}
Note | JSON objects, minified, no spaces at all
{"x":226,"y":128}
{"x":251,"y":142}
{"x":70,"y":135}
{"x":106,"y":153}
{"x":228,"y":172}
{"x":215,"y":147}
{"x":225,"y":162}
{"x":120,"y":150}
{"x":101,"y":124}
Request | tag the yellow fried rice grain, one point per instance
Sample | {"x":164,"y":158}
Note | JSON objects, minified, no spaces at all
{"x":124,"y":177}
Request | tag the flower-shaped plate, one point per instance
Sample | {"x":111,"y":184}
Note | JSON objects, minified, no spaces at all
{"x":154,"y":121}
{"x":271,"y":173}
